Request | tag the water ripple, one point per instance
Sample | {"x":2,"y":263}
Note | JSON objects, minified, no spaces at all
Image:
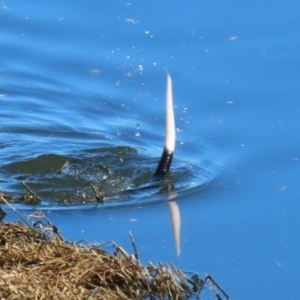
{"x":122,"y":174}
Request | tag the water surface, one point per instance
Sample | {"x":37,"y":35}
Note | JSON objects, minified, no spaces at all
{"x":82,"y":101}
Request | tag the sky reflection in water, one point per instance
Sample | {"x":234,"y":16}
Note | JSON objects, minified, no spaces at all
{"x":81,"y":76}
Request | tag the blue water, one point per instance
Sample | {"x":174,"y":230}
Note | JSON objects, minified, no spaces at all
{"x":81,"y":78}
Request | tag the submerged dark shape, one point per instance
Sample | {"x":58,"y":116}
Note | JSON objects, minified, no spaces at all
{"x":169,"y":147}
{"x":165,"y":160}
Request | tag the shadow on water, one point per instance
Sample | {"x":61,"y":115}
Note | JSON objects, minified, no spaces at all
{"x":122,"y":174}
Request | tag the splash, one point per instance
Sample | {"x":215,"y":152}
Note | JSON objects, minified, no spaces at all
{"x":122,"y":174}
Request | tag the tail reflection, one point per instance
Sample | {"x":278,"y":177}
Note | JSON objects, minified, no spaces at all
{"x":175,"y":219}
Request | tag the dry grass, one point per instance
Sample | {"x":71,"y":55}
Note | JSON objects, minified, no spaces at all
{"x":37,"y":263}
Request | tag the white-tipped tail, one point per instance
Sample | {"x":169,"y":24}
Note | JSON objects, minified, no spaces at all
{"x":170,"y":119}
{"x":169,"y":147}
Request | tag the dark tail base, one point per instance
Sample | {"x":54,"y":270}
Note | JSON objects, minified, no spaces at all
{"x":164,"y":165}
